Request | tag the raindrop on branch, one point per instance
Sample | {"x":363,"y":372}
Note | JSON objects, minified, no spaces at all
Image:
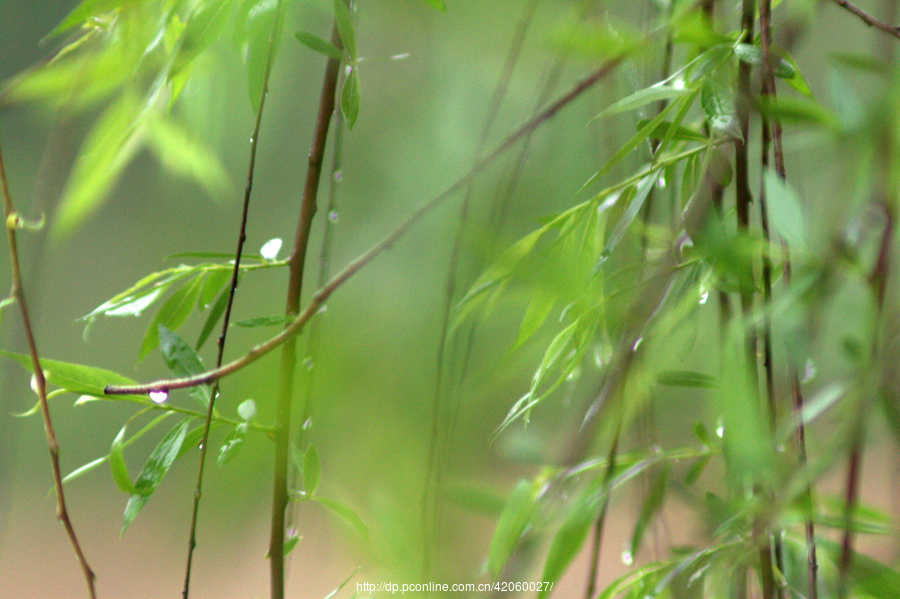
{"x":159,"y":396}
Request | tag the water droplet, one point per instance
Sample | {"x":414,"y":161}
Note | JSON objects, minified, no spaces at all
{"x":307,"y":424}
{"x":637,"y":343}
{"x":661,"y":182}
{"x":159,"y":396}
{"x":703,"y":297}
{"x":627,"y":558}
{"x":333,"y":216}
{"x":400,"y":56}
{"x":720,"y":430}
{"x":809,"y":371}
{"x":252,"y":139}
{"x":678,"y":83}
{"x":338,"y":175}
{"x":308,"y":362}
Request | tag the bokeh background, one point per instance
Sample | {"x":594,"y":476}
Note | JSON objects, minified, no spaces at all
{"x":427,"y":82}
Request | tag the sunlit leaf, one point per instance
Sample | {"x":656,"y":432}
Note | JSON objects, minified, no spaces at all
{"x":513,"y":521}
{"x":350,"y":97}
{"x":171,"y":314}
{"x":317,"y":44}
{"x":75,"y":378}
{"x":202,"y":28}
{"x":269,"y":250}
{"x":154,"y":470}
{"x":437,"y":4}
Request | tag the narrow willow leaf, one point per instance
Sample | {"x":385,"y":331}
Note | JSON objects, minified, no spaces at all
{"x":263,"y":17}
{"x":681,"y":133}
{"x":349,"y":516}
{"x":75,"y":378}
{"x":797,"y":81}
{"x":643,"y":97}
{"x":117,"y":464}
{"x":212,"y":284}
{"x":696,"y":470}
{"x":290,"y":542}
{"x":312,"y":472}
{"x":687,"y":378}
{"x":215,"y":314}
{"x":183,"y":362}
{"x":570,"y":537}
{"x":628,"y":216}
{"x":538,"y":310}
{"x":753,"y":55}
{"x":652,"y":504}
{"x":113,"y":140}
{"x":631,"y":144}
{"x":269,"y":250}
{"x":512,"y":524}
{"x":482,"y":501}
{"x":263,"y":321}
{"x":350,"y":97}
{"x":201,"y":30}
{"x":345,"y":28}
{"x":154,"y":470}
{"x":182,"y":155}
{"x":709,"y":61}
{"x":85,"y":11}
{"x":317,"y":44}
{"x":785,"y":211}
{"x":171,"y":314}
{"x":799,"y":110}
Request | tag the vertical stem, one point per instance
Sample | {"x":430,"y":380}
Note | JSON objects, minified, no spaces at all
{"x":38,"y":381}
{"x":282,"y":425}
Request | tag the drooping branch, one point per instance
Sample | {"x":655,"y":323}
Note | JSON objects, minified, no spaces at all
{"x":297,"y":324}
{"x":39,"y":383}
{"x":869,"y":19}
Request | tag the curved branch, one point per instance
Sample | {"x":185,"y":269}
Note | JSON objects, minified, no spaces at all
{"x":869,"y":19}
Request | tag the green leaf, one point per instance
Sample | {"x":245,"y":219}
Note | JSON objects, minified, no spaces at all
{"x":312,"y":472}
{"x":290,"y":542}
{"x":512,"y":524}
{"x":180,"y":154}
{"x":753,"y":55}
{"x":347,"y":514}
{"x":317,"y":44}
{"x":652,"y":504}
{"x":264,"y":321}
{"x":785,"y":211}
{"x":870,"y":577}
{"x":538,"y":310}
{"x":345,"y":28}
{"x":84,"y":12}
{"x":233,"y":442}
{"x":436,"y":4}
{"x":687,"y":378}
{"x":799,"y":110}
{"x":75,"y":378}
{"x":113,"y":140}
{"x":569,"y":539}
{"x":718,"y":107}
{"x":643,"y":97}
{"x":171,"y":314}
{"x":202,"y":28}
{"x":212,"y":284}
{"x":263,"y":19}
{"x":183,"y":362}
{"x":628,"y":216}
{"x":154,"y":470}
{"x":350,"y":97}
{"x":214,"y":315}
{"x":681,"y":133}
{"x":117,"y":464}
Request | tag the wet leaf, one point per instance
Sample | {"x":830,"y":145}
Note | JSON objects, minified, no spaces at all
{"x":75,"y":378}
{"x":183,"y":362}
{"x":171,"y":314}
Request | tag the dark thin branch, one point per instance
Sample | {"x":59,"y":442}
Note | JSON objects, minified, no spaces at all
{"x":282,"y":426}
{"x":38,"y":381}
{"x":606,"y":489}
{"x":242,"y":237}
{"x":869,"y":19}
{"x":296,"y":325}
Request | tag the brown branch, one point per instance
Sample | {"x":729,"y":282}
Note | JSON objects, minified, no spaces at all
{"x":38,"y":382}
{"x":242,"y":237}
{"x":296,"y":325}
{"x":869,"y":19}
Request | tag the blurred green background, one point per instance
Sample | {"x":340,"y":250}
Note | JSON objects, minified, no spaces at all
{"x":427,"y":82}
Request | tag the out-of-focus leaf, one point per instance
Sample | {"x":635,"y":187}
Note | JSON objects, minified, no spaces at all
{"x":113,"y":140}
{"x":345,"y":28}
{"x":785,"y":212}
{"x":477,"y":500}
{"x":652,"y":504}
{"x":312,"y":471}
{"x":628,"y":216}
{"x":350,"y":97}
{"x":263,"y":20}
{"x":75,"y":378}
{"x":687,"y":378}
{"x":171,"y":314}
{"x":538,"y":310}
{"x":290,"y":542}
{"x":512,"y":524}
{"x":182,"y":361}
{"x":349,"y":516}
{"x":799,"y":110}
{"x":202,"y":28}
{"x":709,"y":61}
{"x":718,"y":107}
{"x":317,"y":44}
{"x":696,"y":470}
{"x":753,"y":55}
{"x":868,"y":576}
{"x":215,"y":314}
{"x":84,"y":12}
{"x":184,"y":156}
{"x":154,"y":470}
{"x":570,"y":537}
{"x":436,"y":4}
{"x":263,"y":321}
{"x":643,"y":97}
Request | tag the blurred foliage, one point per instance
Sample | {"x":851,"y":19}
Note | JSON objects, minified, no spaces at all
{"x":617,"y":329}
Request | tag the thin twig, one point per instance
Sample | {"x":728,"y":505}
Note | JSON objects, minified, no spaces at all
{"x":282,"y":426}
{"x":599,"y":526}
{"x":38,"y":381}
{"x":869,"y":19}
{"x":296,"y":325}
{"x":242,"y":237}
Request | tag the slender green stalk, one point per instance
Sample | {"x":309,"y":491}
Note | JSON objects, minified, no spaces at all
{"x":226,"y":319}
{"x":39,"y":383}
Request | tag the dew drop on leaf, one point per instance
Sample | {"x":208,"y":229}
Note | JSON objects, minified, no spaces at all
{"x":627,"y":558}
{"x":333,"y":216}
{"x":159,"y":396}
